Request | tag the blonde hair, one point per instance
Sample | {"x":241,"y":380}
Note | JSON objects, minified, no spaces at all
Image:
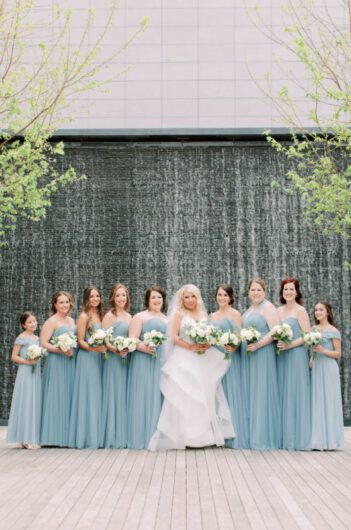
{"x":190,"y":288}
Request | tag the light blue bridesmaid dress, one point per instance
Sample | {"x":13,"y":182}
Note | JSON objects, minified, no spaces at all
{"x":327,"y":416}
{"x":85,"y":421}
{"x":232,"y":385}
{"x":58,"y":379}
{"x":24,"y":421}
{"x":294,"y":391}
{"x":260,"y":374}
{"x":144,"y":399}
{"x":114,"y":395}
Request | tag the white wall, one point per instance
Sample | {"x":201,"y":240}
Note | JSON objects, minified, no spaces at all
{"x":193,"y":68}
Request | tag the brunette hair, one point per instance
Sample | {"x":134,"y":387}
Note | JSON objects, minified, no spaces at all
{"x":25,"y":316}
{"x":260,"y":282}
{"x":111,"y":300}
{"x":158,"y":290}
{"x":100,"y":309}
{"x":296,"y":283}
{"x":55,"y":297}
{"x":228,"y":289}
{"x":330,"y":315}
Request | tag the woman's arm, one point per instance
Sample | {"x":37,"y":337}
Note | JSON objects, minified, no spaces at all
{"x":107,"y":322}
{"x":135,"y":328}
{"x":45,"y":336}
{"x":334,"y":354}
{"x":305,"y":325}
{"x":82,"y":325}
{"x":272,"y":317}
{"x":174,"y":332}
{"x":16,"y":358}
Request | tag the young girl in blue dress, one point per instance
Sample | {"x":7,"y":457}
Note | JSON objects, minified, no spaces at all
{"x":85,"y":420}
{"x":115,"y":372}
{"x":327,"y":416}
{"x":24,"y":421}
{"x":58,"y":375}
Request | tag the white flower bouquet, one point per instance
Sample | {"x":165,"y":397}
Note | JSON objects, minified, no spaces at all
{"x":154,"y":338}
{"x":251,"y":335}
{"x":101,"y":337}
{"x":203,"y":333}
{"x":36,"y":353}
{"x":229,"y":338}
{"x":124,"y":343}
{"x":65,"y":342}
{"x":282,"y":332}
{"x":313,"y":338}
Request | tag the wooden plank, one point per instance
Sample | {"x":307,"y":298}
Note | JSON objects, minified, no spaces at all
{"x":164,"y":513}
{"x":212,"y":488}
{"x":193,"y":507}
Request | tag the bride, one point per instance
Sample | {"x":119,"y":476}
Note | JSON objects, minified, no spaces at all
{"x":195,"y":412}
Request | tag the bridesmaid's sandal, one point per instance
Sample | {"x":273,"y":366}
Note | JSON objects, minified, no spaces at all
{"x":33,"y":447}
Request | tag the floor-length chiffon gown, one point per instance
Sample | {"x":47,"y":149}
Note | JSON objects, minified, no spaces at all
{"x":24,"y":420}
{"x":295,"y":393}
{"x":260,"y":378}
{"x":144,"y":397}
{"x":232,"y":386}
{"x":85,"y":421}
{"x":58,"y":380}
{"x":195,"y":412}
{"x":327,"y":415}
{"x":114,"y":395}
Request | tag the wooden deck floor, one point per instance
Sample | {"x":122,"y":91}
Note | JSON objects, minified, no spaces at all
{"x":193,"y":489}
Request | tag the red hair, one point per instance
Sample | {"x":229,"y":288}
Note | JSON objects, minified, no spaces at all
{"x":296,"y":283}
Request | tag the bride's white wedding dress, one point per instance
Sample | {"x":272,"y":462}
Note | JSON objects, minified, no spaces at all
{"x":195,"y":412}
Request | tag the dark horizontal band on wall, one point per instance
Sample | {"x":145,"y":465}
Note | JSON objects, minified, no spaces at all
{"x":232,"y":134}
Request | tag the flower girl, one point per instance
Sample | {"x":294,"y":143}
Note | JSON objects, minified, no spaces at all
{"x":24,"y":421}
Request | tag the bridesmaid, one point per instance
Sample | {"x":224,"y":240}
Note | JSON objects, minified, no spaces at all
{"x":114,"y":373}
{"x":327,"y":416}
{"x":293,"y":371}
{"x":58,"y":375}
{"x":143,"y":392}
{"x":229,"y":319}
{"x":259,"y":371}
{"x":24,"y":420}
{"x":85,"y":422}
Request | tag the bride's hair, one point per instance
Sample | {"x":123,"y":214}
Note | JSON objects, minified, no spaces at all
{"x":190,"y":288}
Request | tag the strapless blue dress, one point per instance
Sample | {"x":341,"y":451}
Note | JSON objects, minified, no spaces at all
{"x":85,"y":421}
{"x":114,"y":396}
{"x":144,"y":399}
{"x":58,"y":380}
{"x":295,"y":393}
{"x":232,"y":385}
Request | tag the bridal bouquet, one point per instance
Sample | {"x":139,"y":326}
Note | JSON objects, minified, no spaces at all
{"x":124,"y":343}
{"x":101,"y":337}
{"x":312,"y":338}
{"x":251,"y":335}
{"x":203,"y":333}
{"x":282,"y":332}
{"x":154,"y":338}
{"x":65,"y":342}
{"x":35,"y":353}
{"x":229,"y":338}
